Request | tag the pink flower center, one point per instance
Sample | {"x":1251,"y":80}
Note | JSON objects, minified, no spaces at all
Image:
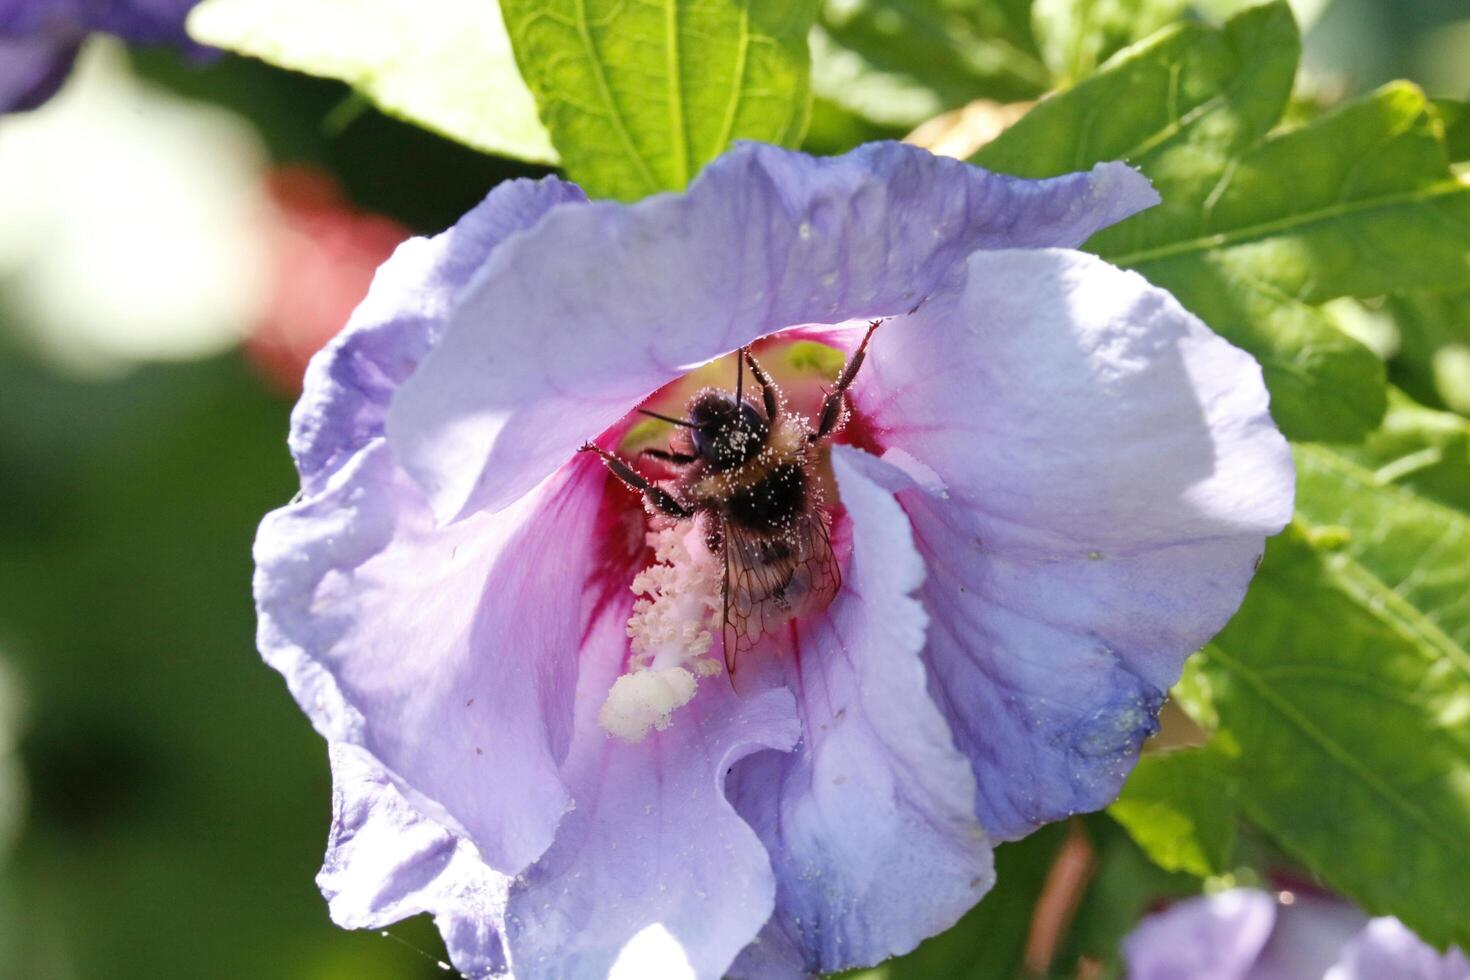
{"x":738,"y":505}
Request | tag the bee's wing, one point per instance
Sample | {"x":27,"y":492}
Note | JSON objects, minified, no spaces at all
{"x":770,"y":579}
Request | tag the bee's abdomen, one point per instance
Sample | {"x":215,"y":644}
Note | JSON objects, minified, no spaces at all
{"x":770,"y":504}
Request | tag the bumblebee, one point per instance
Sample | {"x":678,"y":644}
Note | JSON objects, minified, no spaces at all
{"x":746,"y":471}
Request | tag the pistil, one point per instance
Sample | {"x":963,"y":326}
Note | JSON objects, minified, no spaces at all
{"x":670,"y":633}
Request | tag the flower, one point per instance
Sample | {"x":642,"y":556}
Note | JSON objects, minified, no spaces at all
{"x":323,"y":253}
{"x":1055,"y":485}
{"x":172,"y":237}
{"x":1247,"y":934}
{"x":39,"y":39}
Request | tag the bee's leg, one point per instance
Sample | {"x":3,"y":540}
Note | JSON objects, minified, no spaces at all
{"x":666,"y":456}
{"x":660,"y":498}
{"x":832,"y":404}
{"x":768,"y":390}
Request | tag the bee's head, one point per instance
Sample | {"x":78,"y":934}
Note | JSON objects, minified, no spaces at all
{"x":725,"y":434}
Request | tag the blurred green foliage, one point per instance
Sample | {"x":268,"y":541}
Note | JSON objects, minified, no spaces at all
{"x":177,"y":805}
{"x":899,"y":62}
{"x":177,"y":801}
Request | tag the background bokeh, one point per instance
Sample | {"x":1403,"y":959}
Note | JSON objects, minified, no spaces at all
{"x":174,"y":240}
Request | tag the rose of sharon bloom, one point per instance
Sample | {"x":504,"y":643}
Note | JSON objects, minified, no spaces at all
{"x":1246,"y":934}
{"x":39,"y":39}
{"x":1056,"y":484}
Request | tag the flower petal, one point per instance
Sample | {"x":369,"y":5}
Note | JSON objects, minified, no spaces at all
{"x":1208,"y":938}
{"x":572,"y":324}
{"x":386,"y":861}
{"x":1386,"y":948}
{"x":351,"y":380}
{"x":871,"y":826}
{"x":1093,"y":476}
{"x":142,"y":21}
{"x":409,"y":647}
{"x":449,"y":655}
{"x":652,"y":850}
{"x":32,"y":69}
{"x":1309,"y":936}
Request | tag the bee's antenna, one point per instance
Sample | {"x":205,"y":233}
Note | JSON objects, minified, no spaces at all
{"x":670,"y":419}
{"x":739,"y":375}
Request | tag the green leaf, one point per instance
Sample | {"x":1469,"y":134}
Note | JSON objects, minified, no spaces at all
{"x":1345,"y":682}
{"x":1357,"y":203}
{"x":443,"y":64}
{"x":989,"y":941}
{"x":1258,"y":228}
{"x":1456,"y":118}
{"x":638,"y":96}
{"x":1178,"y":106}
{"x":1306,"y":12}
{"x":1432,"y":360}
{"x":1179,"y":807}
{"x":900,"y":62}
{"x":1075,"y":36}
{"x":1419,"y":449}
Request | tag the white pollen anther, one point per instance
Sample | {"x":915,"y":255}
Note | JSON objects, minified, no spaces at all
{"x":645,"y":699}
{"x":670,"y":634}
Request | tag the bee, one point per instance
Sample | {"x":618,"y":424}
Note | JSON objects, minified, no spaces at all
{"x":747,"y":471}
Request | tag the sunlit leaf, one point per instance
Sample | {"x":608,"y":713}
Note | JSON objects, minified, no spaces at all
{"x":1431,"y":359}
{"x":1419,"y":449}
{"x":1075,"y":36}
{"x":638,"y":96}
{"x":1179,"y":807}
{"x":900,"y":62}
{"x":444,"y":64}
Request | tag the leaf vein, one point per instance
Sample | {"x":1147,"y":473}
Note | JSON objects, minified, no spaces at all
{"x":615,"y":114}
{"x":1338,"y":755}
{"x":1264,"y":229}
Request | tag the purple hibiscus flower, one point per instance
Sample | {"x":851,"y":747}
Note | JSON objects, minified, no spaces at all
{"x":1054,"y":484}
{"x":39,"y":39}
{"x":1246,"y":934}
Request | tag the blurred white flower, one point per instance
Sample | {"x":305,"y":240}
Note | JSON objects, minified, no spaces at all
{"x":132,"y":222}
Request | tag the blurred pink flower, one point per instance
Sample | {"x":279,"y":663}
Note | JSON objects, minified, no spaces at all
{"x":325,"y":252}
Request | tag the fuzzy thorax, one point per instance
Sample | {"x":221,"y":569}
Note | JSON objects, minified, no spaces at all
{"x":670,"y":633}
